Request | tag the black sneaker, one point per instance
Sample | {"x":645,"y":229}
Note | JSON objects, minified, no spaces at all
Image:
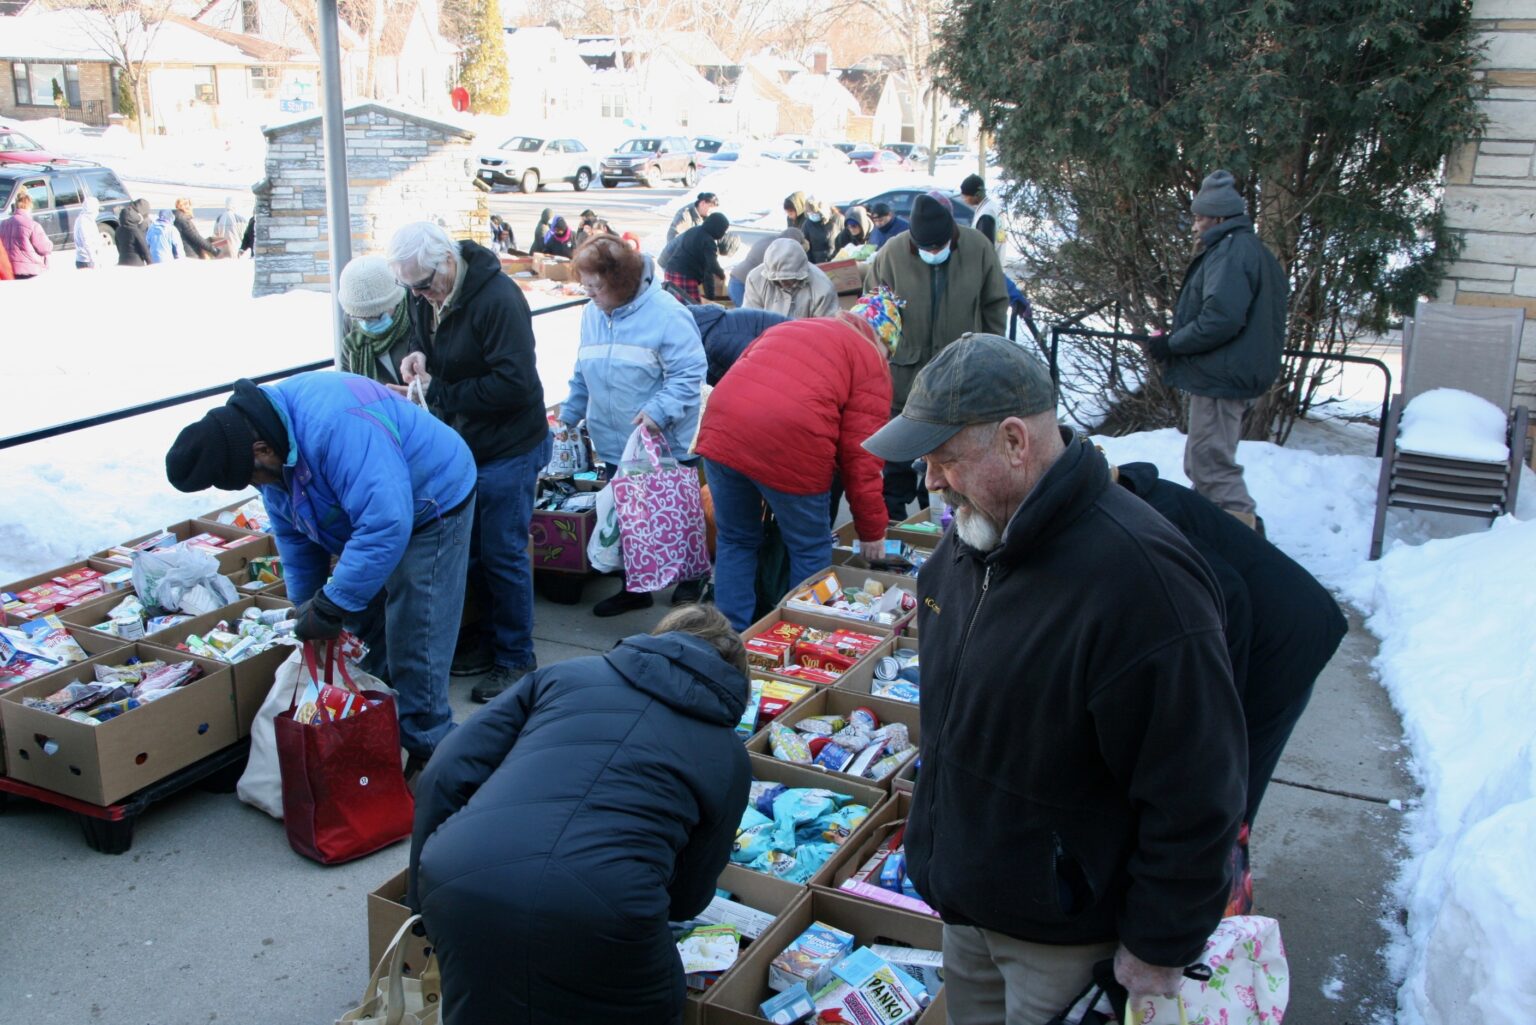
{"x":413,"y":766}
{"x":500,"y":679}
{"x":624,"y":601}
{"x":473,"y":658}
{"x":687,"y":592}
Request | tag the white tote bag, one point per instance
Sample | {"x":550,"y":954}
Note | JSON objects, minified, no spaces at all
{"x":393,"y":999}
{"x":261,"y":785}
{"x":604,"y":551}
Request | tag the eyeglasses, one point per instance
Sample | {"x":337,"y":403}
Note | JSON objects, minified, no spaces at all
{"x":420,"y":286}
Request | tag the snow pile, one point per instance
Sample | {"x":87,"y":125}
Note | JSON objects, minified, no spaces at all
{"x":1458,"y":424}
{"x":214,"y":158}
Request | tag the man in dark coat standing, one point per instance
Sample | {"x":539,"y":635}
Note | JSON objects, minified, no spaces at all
{"x":1228,"y":332}
{"x":562,"y":827}
{"x":1082,"y":742}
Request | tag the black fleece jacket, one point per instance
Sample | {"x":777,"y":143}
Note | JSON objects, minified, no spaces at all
{"x":480,"y":355}
{"x":1082,"y":743}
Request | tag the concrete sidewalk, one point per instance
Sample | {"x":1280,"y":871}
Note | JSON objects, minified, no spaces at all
{"x":211,"y":918}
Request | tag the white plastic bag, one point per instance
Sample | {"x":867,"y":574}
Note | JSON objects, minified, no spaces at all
{"x":181,"y":579}
{"x":261,"y":785}
{"x":568,"y":454}
{"x":604,"y":553}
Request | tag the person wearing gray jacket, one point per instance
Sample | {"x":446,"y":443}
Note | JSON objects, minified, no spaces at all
{"x":1228,"y":333}
{"x":787,"y":284}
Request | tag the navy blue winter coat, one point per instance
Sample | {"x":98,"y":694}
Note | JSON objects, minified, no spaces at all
{"x":560,"y":828}
{"x":727,"y":333}
{"x":880,"y":236}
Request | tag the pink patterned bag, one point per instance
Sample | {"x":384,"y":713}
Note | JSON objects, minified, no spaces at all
{"x":661,"y":517}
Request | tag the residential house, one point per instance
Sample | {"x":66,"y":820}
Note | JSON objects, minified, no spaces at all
{"x":550,"y":80}
{"x":193,"y":79}
{"x":888,"y":107}
{"x":647,"y":85}
{"x":832,"y":107}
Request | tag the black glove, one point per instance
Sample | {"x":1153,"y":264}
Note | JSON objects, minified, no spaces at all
{"x":1157,"y":347}
{"x":319,"y":619}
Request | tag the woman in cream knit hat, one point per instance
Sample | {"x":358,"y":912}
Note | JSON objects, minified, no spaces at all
{"x":379,"y":323}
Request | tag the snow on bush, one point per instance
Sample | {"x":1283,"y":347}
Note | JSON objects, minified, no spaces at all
{"x":1458,"y":424}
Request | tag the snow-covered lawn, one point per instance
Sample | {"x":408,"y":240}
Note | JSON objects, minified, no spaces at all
{"x":1451,"y":603}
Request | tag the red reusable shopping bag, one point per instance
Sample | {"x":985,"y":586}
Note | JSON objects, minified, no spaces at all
{"x":344,"y":793}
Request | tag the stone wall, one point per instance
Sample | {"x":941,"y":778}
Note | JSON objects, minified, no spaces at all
{"x":400,"y":168}
{"x":1490,"y":192}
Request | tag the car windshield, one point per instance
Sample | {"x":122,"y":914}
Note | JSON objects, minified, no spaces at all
{"x":863,"y":154}
{"x":641,"y":146}
{"x":6,"y":187}
{"x":523,"y":144}
{"x":804,"y":154}
{"x":15,"y":142}
{"x":725,"y":156}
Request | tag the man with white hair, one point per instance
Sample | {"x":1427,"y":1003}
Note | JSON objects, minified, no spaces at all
{"x":474,"y":354}
{"x":1082,"y":743}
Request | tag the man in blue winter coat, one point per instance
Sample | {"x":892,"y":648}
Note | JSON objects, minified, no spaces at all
{"x":887,"y":224}
{"x":346,"y":468}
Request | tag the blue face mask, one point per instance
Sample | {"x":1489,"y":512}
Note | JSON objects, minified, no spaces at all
{"x":934,"y":259}
{"x":377,"y":325}
{"x":815,"y":218}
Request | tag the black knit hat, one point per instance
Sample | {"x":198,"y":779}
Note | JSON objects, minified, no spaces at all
{"x":214,"y":452}
{"x":717,"y":224}
{"x":973,"y":185}
{"x":932,"y":225}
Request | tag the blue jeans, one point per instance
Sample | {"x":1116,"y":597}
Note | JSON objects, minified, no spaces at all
{"x":500,"y":551}
{"x":739,"y":534}
{"x":410,"y":627}
{"x":737,"y":290}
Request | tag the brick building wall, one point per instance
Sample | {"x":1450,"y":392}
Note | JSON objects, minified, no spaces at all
{"x":400,"y":167}
{"x":95,"y":96}
{"x":1490,"y":191}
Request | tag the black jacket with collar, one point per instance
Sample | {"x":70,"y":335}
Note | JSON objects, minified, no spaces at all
{"x":480,"y":355}
{"x":1083,"y":748}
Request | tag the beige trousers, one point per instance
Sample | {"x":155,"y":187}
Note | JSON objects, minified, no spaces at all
{"x":992,"y":979}
{"x":1210,"y":453}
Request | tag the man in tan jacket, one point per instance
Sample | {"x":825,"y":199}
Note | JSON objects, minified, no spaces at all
{"x":951,"y":282}
{"x":786,"y":283}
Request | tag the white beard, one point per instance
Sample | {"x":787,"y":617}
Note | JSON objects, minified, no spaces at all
{"x":977,"y":530}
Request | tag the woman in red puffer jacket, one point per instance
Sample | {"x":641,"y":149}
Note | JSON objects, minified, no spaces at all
{"x":793,"y":411}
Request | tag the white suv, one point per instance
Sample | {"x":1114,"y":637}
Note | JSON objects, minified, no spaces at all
{"x":530,"y":163}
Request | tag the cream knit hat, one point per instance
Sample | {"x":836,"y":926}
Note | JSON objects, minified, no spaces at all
{"x":368,"y":287}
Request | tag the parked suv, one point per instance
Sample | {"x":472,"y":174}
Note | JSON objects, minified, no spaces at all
{"x":531,"y":163}
{"x":58,"y":190}
{"x":650,"y":160}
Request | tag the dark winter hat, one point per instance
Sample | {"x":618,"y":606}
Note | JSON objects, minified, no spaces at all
{"x":1218,"y":196}
{"x":980,"y":379}
{"x":214,"y":452}
{"x":717,"y":224}
{"x":973,"y":185}
{"x":707,"y":197}
{"x":932,"y":225}
{"x":880,"y":210}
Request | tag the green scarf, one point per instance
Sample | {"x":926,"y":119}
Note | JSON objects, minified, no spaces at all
{"x":362,"y":350}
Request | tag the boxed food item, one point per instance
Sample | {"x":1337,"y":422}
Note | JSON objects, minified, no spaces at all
{"x":844,"y":733}
{"x":867,"y":988}
{"x":103,"y":762}
{"x":47,"y":594}
{"x":743,"y":998}
{"x":888,"y":601}
{"x":876,"y":869}
{"x":893,"y":672}
{"x":36,"y":647}
{"x":808,"y":960}
{"x":253,"y":667}
{"x":249,"y":514}
{"x":766,"y":699}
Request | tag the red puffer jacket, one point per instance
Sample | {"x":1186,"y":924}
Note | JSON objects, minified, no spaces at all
{"x":797,"y":406}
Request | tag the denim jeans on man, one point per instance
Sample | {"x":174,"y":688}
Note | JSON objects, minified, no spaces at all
{"x":410,"y":627}
{"x":506,"y":490}
{"x":738,"y":503}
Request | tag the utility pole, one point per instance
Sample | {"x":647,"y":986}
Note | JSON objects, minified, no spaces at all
{"x":333,"y":133}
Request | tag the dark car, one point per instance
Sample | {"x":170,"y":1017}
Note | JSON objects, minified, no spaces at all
{"x":901,"y":200}
{"x":650,"y":160}
{"x":58,"y":191}
{"x":848,"y":147}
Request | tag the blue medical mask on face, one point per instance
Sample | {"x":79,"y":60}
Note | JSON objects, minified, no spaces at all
{"x":377,"y":325}
{"x":934,"y":259}
{"x":815,"y":218}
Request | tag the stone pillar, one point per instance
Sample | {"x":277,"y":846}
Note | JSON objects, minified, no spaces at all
{"x":1490,"y":190}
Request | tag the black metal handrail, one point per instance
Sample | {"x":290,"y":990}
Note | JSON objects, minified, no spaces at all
{"x":1058,"y":330}
{"x":102,"y":419}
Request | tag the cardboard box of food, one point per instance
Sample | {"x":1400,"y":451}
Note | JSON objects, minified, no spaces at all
{"x":861,"y":677}
{"x":553,"y":268}
{"x":55,"y":591}
{"x":799,"y":776}
{"x":231,"y":559}
{"x":107,"y":762}
{"x":917,"y":529}
{"x":387,"y":912}
{"x":847,"y":276}
{"x":893,"y":813}
{"x":811,"y":595}
{"x":839,"y":702}
{"x":252,"y":677}
{"x":762,"y":653}
{"x":736,"y":1001}
{"x":757,"y":892}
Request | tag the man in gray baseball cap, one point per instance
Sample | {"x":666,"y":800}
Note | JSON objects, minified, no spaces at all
{"x":1082,"y":740}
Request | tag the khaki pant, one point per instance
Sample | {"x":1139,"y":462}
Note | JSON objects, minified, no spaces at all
{"x":992,"y":979}
{"x":1210,"y":454}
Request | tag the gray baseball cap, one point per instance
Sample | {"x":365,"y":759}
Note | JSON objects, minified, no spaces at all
{"x":979,"y":379}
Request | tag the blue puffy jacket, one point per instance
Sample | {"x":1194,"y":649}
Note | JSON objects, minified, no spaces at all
{"x":561,"y":827}
{"x":727,"y":333}
{"x":164,"y":240}
{"x":880,"y":236}
{"x":643,"y":357}
{"x":365,"y":468}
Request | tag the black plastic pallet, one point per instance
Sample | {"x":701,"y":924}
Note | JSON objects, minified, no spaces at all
{"x":109,"y":829}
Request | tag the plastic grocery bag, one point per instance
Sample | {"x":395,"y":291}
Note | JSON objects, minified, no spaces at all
{"x":181,"y":579}
{"x":603,"y":553}
{"x":568,"y":455}
{"x":661,"y":516}
{"x":261,"y":785}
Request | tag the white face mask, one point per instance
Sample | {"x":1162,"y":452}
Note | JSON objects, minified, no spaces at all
{"x":934,"y":259}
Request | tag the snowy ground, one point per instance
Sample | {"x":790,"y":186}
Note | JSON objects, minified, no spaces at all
{"x":1450,"y":602}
